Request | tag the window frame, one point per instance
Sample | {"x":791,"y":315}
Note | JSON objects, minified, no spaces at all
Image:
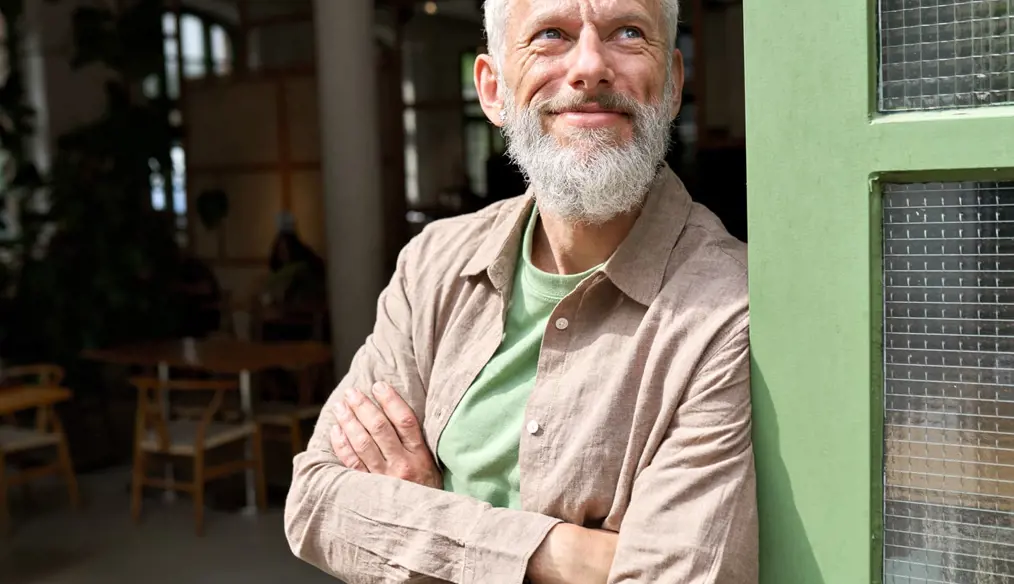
{"x":818,"y":151}
{"x":178,"y":125}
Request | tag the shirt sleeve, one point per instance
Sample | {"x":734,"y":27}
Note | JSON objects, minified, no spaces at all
{"x":692,"y":517}
{"x":364,"y":528}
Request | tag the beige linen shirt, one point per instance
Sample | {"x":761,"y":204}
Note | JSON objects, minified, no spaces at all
{"x":639,"y":421}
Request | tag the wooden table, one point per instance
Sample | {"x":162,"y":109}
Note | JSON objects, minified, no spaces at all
{"x":220,"y":356}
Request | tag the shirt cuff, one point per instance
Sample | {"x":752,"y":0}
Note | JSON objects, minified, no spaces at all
{"x":499,"y":548}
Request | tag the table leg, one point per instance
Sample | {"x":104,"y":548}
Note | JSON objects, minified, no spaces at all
{"x":246,"y":403}
{"x":169,"y":495}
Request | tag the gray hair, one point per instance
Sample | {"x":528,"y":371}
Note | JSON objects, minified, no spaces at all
{"x":497,"y":12}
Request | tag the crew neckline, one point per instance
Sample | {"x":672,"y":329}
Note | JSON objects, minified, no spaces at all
{"x":553,"y":287}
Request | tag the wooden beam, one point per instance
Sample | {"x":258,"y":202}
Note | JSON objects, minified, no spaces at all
{"x":296,"y":17}
{"x":242,"y":46}
{"x":284,"y":145}
{"x":252,"y":167}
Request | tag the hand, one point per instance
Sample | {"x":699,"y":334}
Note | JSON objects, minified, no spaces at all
{"x":571,"y":553}
{"x":384,"y":441}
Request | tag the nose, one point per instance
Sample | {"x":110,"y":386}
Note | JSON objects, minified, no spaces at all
{"x":591,"y":69}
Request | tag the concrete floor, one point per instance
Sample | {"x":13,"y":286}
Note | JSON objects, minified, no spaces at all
{"x":49,"y":544}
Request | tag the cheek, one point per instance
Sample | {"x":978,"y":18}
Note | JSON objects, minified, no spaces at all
{"x":542,"y":81}
{"x":640,"y":78}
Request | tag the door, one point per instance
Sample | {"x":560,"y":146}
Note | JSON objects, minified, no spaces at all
{"x":880,"y":148}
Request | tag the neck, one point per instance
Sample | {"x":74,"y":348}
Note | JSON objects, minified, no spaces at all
{"x":560,"y":246}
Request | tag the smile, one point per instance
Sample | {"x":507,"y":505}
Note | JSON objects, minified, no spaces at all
{"x":591,"y":118}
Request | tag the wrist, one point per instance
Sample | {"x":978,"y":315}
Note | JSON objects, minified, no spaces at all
{"x":552,"y":561}
{"x":571,"y":553}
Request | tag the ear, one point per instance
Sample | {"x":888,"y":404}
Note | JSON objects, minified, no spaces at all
{"x":677,"y":81}
{"x":487,"y":85}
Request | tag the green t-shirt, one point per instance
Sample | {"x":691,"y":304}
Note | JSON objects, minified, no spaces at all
{"x":478,"y":448}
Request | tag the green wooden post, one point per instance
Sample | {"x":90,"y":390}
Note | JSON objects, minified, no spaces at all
{"x":816,"y":151}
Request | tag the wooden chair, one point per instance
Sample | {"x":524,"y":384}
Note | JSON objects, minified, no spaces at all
{"x":38,"y":374}
{"x":282,"y":421}
{"x":33,"y":388}
{"x":164,"y":430}
{"x":42,"y":374}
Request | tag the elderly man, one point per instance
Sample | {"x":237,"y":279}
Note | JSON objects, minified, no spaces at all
{"x":557,"y":387}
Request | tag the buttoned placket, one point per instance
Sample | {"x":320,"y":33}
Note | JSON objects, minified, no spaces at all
{"x":536,"y":439}
{"x":485,"y":349}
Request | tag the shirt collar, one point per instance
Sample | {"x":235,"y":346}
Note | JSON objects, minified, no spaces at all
{"x":637,"y":267}
{"x":498,"y":253}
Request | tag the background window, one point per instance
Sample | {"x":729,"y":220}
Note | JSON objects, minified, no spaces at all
{"x":206,"y":50}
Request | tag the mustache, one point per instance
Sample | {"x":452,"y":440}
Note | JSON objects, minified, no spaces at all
{"x":610,"y":100}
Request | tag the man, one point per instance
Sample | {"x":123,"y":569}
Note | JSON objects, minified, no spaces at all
{"x":557,"y":387}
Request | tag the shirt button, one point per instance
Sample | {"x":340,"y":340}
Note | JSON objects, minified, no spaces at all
{"x":562,"y":324}
{"x":533,"y":426}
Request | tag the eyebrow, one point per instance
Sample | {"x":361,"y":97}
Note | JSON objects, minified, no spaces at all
{"x":546,"y":18}
{"x":635,"y":17}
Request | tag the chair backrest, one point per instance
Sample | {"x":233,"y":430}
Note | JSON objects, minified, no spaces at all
{"x":155,"y":410}
{"x":36,"y":374}
{"x":40,"y":375}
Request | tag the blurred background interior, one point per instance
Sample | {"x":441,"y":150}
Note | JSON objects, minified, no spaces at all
{"x":200,"y":202}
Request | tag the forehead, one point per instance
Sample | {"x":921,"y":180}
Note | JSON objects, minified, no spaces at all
{"x":523,"y":11}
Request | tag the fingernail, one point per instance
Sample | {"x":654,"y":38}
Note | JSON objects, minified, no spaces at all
{"x":337,"y":435}
{"x":353,"y":395}
{"x":381,"y":388}
{"x":343,"y":410}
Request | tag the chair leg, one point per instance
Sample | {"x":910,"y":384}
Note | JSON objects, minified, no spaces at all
{"x":27,"y":498}
{"x":258,"y":464}
{"x":137,"y":484}
{"x":67,"y":465}
{"x":199,"y":493}
{"x":5,"y":517}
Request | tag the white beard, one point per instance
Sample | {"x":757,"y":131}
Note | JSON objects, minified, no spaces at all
{"x":593,"y":178}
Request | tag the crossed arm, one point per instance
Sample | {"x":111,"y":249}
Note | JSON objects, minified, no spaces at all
{"x":386,"y":439}
{"x":366,"y":506}
{"x":389,"y":524}
{"x":370,"y":527}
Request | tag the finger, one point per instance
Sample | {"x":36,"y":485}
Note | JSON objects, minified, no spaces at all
{"x":401,"y":416}
{"x":375,"y":422}
{"x":343,"y":450}
{"x":360,"y":440}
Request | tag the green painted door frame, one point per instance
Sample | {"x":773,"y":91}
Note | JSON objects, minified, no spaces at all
{"x":816,"y":152}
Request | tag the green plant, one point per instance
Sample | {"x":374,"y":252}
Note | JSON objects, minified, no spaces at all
{"x":95,"y":265}
{"x":19,"y":178}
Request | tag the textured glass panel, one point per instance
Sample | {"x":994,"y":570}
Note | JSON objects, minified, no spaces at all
{"x":949,"y":383}
{"x":941,"y":54}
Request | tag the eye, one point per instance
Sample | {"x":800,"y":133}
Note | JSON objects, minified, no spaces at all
{"x":550,"y":34}
{"x":630,"y":32}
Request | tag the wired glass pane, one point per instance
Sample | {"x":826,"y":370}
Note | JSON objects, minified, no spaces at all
{"x":942,"y":54}
{"x":949,"y":383}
